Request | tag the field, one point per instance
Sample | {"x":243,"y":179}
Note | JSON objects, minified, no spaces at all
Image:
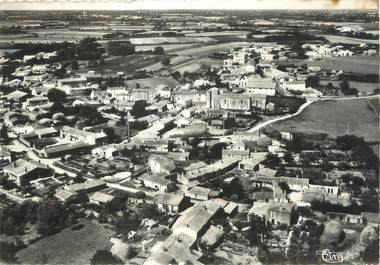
{"x":168,"y":47}
{"x":69,"y":246}
{"x":336,"y":118}
{"x":360,"y":86}
{"x":129,"y":63}
{"x":206,"y":50}
{"x":163,"y":40}
{"x":152,"y":82}
{"x":348,"y":40}
{"x":361,"y":64}
{"x":196,"y":64}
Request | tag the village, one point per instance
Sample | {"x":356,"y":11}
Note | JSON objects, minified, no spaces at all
{"x":182,"y":167}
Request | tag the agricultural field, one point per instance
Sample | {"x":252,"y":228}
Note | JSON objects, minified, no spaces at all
{"x":168,"y":47}
{"x":241,"y":34}
{"x":152,"y":82}
{"x":206,"y":50}
{"x":360,"y":86}
{"x":195,"y":65}
{"x":128,"y":63}
{"x":363,"y":64}
{"x":70,"y":246}
{"x":348,"y":40}
{"x":168,"y":40}
{"x":355,"y":116}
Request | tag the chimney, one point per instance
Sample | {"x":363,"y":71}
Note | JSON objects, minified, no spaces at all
{"x":14,"y":164}
{"x":26,"y":170}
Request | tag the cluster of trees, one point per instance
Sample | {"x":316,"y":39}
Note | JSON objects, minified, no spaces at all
{"x":120,"y":48}
{"x":360,"y":150}
{"x":49,"y":216}
{"x":346,"y":89}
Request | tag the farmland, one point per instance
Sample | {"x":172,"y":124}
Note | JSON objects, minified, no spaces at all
{"x":152,"y":82}
{"x":208,"y":49}
{"x":348,"y":40}
{"x":363,"y":64}
{"x":360,"y":86}
{"x":335,"y":118}
{"x":70,"y":246}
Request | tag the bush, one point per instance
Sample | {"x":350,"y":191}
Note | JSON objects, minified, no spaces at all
{"x":120,"y":48}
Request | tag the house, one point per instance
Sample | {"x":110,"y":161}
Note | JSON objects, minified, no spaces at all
{"x":107,"y":152}
{"x":275,"y":212}
{"x":23,"y":171}
{"x":235,"y":153}
{"x":46,"y":132}
{"x":91,"y":138}
{"x":66,"y":196}
{"x":371,"y":219}
{"x":87,"y":186}
{"x":295,"y":86}
{"x":5,"y":155}
{"x":255,"y":85}
{"x":233,"y":101}
{"x":17,"y":96}
{"x":150,"y":119}
{"x":161,"y":164}
{"x":155,"y":181}
{"x":160,"y":258}
{"x":200,"y":193}
{"x":171,"y":203}
{"x":196,"y":220}
{"x":212,"y":237}
{"x":190,"y":97}
{"x":60,"y":149}
{"x":101,"y":198}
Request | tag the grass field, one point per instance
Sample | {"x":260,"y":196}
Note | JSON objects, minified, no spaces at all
{"x":206,"y":50}
{"x":168,"y":47}
{"x":335,"y":118}
{"x":152,"y":82}
{"x":348,"y":40}
{"x":168,"y":40}
{"x":357,"y":64}
{"x":360,"y":86}
{"x":69,"y":246}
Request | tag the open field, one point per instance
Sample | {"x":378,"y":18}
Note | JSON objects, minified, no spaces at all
{"x":336,"y":118}
{"x":129,"y":63}
{"x":241,"y":34}
{"x":206,"y":50}
{"x":360,"y":86}
{"x":348,"y":40}
{"x":69,"y":246}
{"x":357,"y":64}
{"x":163,"y":40}
{"x":168,"y":47}
{"x":152,"y":82}
{"x":196,"y":64}
{"x":174,"y":61}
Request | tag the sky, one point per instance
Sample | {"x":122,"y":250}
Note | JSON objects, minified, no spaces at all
{"x":184,"y":4}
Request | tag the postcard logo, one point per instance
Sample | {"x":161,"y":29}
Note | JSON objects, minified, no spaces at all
{"x":329,"y":256}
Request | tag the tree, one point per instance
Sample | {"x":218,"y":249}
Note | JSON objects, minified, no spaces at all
{"x":126,"y":223}
{"x":104,"y":257}
{"x":158,"y":50}
{"x":284,"y":187}
{"x":51,"y":217}
{"x":120,"y":48}
{"x":75,"y":65}
{"x":4,"y":137}
{"x":56,"y":95}
{"x":165,"y":61}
